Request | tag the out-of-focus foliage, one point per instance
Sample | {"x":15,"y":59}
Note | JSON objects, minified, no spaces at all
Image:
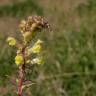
{"x":71,"y":53}
{"x":21,"y":9}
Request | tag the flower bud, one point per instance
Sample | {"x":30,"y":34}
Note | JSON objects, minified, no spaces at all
{"x":34,"y":26}
{"x":28,"y":37}
{"x":22,"y":26}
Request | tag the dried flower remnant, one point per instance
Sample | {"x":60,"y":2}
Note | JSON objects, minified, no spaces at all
{"x":30,"y":28}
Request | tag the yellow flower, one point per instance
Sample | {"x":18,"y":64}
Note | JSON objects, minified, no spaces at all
{"x":19,"y":59}
{"x":37,"y":47}
{"x":11,"y":41}
{"x":38,"y":61}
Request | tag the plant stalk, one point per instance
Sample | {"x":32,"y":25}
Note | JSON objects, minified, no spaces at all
{"x":21,"y":74}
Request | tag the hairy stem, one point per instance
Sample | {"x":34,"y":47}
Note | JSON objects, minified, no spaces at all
{"x":21,"y":74}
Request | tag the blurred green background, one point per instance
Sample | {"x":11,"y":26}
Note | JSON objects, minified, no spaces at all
{"x":70,"y":68}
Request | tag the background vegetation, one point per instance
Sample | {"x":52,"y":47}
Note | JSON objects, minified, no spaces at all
{"x":70,"y":68}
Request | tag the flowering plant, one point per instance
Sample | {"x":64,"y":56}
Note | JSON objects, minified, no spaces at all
{"x":29,"y":29}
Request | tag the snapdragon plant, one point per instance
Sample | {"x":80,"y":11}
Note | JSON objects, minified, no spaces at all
{"x":29,"y":28}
